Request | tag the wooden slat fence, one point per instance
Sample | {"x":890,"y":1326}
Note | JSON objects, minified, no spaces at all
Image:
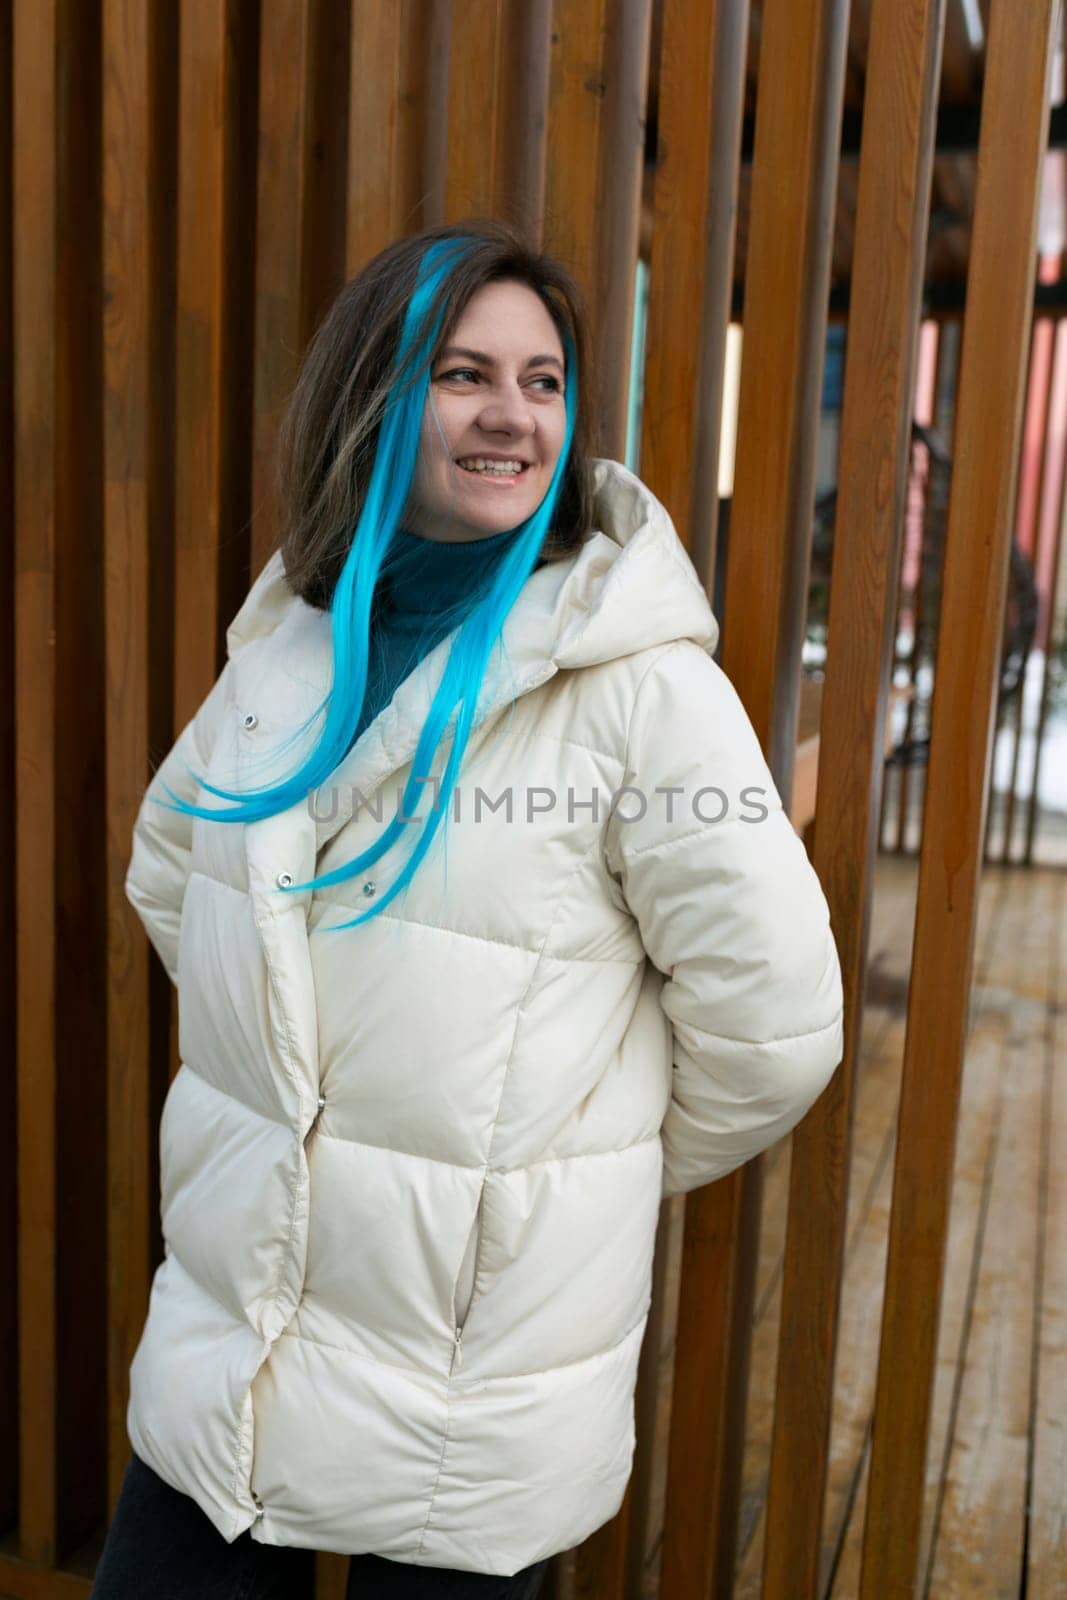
{"x":182,"y":190}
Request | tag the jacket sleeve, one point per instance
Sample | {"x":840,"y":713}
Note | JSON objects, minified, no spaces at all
{"x":162,"y":838}
{"x":732,"y":914}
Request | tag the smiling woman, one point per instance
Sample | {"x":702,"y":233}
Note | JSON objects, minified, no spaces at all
{"x":430,"y":1100}
{"x":491,"y":433}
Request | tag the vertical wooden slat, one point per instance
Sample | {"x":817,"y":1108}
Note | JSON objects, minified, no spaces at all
{"x":613,"y":1558}
{"x":138,"y":530}
{"x":80,"y":847}
{"x":620,"y":185}
{"x":999,"y":299}
{"x":35,"y":277}
{"x":573,"y":203}
{"x":388,"y":80}
{"x":728,"y":104}
{"x":299,"y":260}
{"x":798,"y":114}
{"x":476,"y":110}
{"x":216,"y":230}
{"x":433,"y":174}
{"x":875,"y":453}
{"x":522,"y":135}
{"x":691,"y":29}
{"x":61,"y":889}
{"x":8,"y":1186}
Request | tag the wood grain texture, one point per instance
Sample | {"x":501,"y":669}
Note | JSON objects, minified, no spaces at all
{"x":476,"y":108}
{"x":61,"y":889}
{"x":875,"y":454}
{"x":136,"y":420}
{"x":8,"y":1088}
{"x":802,"y":50}
{"x":36,"y":271}
{"x":999,"y":300}
{"x":299,"y":258}
{"x":216,"y":234}
{"x":678,"y":251}
{"x":576,"y":89}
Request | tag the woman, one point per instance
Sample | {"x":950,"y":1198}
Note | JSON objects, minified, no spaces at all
{"x":513,"y":940}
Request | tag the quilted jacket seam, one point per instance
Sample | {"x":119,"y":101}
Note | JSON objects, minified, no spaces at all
{"x":508,"y":944}
{"x":683,"y":838}
{"x":657,"y":658}
{"x":519,"y":1011}
{"x":557,"y":738}
{"x":778,"y":1038}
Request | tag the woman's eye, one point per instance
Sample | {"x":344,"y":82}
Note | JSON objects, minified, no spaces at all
{"x":469,"y":372}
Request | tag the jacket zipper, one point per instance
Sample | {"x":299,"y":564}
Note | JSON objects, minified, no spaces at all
{"x":457,"y":1351}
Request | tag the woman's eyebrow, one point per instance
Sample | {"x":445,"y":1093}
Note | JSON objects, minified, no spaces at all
{"x":488,"y":361}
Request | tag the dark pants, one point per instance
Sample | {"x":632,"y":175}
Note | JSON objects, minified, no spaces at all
{"x":161,"y":1545}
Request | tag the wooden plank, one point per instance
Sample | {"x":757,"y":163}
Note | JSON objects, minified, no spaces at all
{"x":573,"y":201}
{"x":299,"y":262}
{"x":1047,"y":1508}
{"x":727,"y":112}
{"x":798,"y":115}
{"x":1014,"y":1011}
{"x":8,"y":1167}
{"x":621,"y":179}
{"x":136,"y":425}
{"x":979,"y":1527}
{"x":864,"y":1287}
{"x":387,"y":119}
{"x":61,"y":886}
{"x":217,"y":80}
{"x":877,"y":1090}
{"x":476,"y":110}
{"x":521,"y":137}
{"x":999,"y":299}
{"x":35,"y":170}
{"x":875,"y":454}
{"x":81,"y":824}
{"x":615,"y":1557}
{"x":691,"y":45}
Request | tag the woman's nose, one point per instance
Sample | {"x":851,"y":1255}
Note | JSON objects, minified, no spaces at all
{"x":509,"y":408}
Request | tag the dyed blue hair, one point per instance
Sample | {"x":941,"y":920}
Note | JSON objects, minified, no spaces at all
{"x":479,"y":628}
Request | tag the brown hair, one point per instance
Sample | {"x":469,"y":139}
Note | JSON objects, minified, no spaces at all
{"x":329,"y":434}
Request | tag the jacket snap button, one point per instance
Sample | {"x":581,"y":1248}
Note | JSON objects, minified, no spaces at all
{"x":284,"y":879}
{"x":368,"y":888}
{"x":250,"y":720}
{"x":322,"y":1102}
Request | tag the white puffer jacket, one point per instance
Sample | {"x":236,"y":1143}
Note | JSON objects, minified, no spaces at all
{"x":411,"y":1172}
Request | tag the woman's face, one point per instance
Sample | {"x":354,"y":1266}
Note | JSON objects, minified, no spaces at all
{"x":495,"y":396}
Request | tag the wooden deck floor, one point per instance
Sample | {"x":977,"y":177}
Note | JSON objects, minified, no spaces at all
{"x":995,"y":1520}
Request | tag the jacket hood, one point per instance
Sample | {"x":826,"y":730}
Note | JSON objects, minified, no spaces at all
{"x":631,"y":585}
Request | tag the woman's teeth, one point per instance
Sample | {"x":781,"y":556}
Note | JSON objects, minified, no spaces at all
{"x":500,"y":469}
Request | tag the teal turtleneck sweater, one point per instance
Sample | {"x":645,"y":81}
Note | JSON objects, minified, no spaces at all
{"x":422,"y":580}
